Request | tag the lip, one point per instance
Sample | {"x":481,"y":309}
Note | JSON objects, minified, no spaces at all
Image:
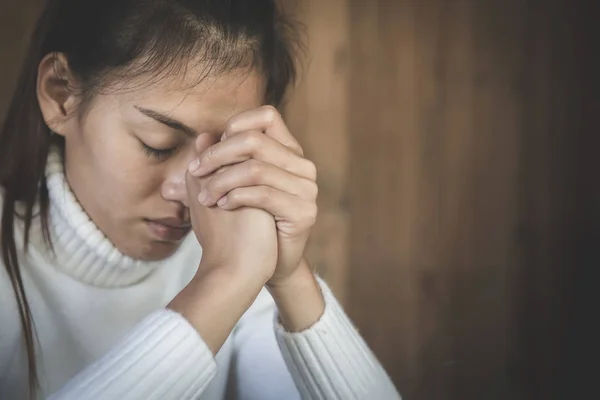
{"x":169,"y":229}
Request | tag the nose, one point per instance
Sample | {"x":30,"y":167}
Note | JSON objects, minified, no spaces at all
{"x":174,"y":187}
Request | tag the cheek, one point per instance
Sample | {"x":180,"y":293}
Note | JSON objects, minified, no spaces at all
{"x":121,"y":169}
{"x":130,"y":177}
{"x":135,"y":181}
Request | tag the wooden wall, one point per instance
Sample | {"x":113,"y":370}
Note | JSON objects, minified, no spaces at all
{"x":447,"y":136}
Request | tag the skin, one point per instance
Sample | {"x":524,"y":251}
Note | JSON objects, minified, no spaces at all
{"x":228,"y":167}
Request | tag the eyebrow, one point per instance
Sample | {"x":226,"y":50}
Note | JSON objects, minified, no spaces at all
{"x":168,"y":121}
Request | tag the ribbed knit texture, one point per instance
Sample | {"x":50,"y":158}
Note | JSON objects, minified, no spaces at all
{"x":332,"y":361}
{"x":162,"y":358}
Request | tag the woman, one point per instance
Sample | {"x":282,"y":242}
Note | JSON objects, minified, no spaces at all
{"x":135,"y":122}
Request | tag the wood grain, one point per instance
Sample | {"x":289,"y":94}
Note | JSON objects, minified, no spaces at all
{"x":455,"y":196}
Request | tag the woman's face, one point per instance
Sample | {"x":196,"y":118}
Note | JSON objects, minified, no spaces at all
{"x":127,"y":155}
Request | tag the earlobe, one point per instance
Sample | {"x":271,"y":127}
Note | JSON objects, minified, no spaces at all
{"x":55,"y":92}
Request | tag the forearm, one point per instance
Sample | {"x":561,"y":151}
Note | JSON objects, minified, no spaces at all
{"x":299,"y":299}
{"x":330,"y":360}
{"x":159,"y":358}
{"x":214,"y":301}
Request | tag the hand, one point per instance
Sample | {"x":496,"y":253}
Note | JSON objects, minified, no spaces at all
{"x":242,"y":241}
{"x":259,"y":164}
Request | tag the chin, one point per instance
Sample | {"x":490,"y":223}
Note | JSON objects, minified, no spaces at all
{"x":161,"y":250}
{"x":153,"y":250}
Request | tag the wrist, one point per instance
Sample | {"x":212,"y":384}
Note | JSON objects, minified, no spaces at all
{"x":213,"y":302}
{"x":298,"y":298}
{"x":302,"y":275}
{"x":236,"y":273}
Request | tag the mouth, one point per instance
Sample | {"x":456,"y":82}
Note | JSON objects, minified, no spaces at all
{"x":168,"y":229}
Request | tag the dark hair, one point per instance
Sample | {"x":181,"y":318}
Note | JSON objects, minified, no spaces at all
{"x":105,"y":40}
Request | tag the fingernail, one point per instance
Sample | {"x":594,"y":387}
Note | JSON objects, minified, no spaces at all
{"x":203,"y":197}
{"x":194,"y":165}
{"x":222,"y":201}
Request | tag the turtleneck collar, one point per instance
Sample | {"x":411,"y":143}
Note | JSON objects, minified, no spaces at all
{"x":80,"y":249}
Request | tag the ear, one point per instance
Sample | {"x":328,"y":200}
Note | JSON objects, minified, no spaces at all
{"x":55,"y":92}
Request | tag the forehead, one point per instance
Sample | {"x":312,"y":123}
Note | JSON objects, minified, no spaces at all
{"x":204,"y":104}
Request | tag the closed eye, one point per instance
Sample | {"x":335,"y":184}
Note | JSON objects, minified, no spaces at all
{"x":159,"y":154}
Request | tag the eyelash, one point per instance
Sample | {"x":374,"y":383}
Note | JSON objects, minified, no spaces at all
{"x":159,"y":154}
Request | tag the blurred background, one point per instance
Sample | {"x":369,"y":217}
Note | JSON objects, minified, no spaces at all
{"x":457,"y":165}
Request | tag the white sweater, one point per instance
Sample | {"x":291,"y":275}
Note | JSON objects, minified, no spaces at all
{"x":104,"y":332}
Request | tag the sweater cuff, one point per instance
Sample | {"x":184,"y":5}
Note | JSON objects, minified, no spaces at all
{"x":330,"y":360}
{"x":162,"y":358}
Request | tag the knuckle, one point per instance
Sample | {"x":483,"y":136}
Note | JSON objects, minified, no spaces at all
{"x":311,"y":170}
{"x":313,"y":190}
{"x":271,"y":114}
{"x":254,"y":170}
{"x":253,"y":140}
{"x":234,"y":197}
{"x":231,"y":126}
{"x":311,"y":214}
{"x":209,"y":155}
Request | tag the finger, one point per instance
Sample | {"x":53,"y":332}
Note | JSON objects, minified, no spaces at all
{"x":256,"y":173}
{"x":298,"y":214}
{"x":204,"y":141}
{"x":252,"y":145}
{"x":264,"y":119}
{"x":201,"y":144}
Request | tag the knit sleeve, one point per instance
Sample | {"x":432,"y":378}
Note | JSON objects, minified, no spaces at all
{"x":162,"y":358}
{"x":330,"y":360}
{"x":259,"y":371}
